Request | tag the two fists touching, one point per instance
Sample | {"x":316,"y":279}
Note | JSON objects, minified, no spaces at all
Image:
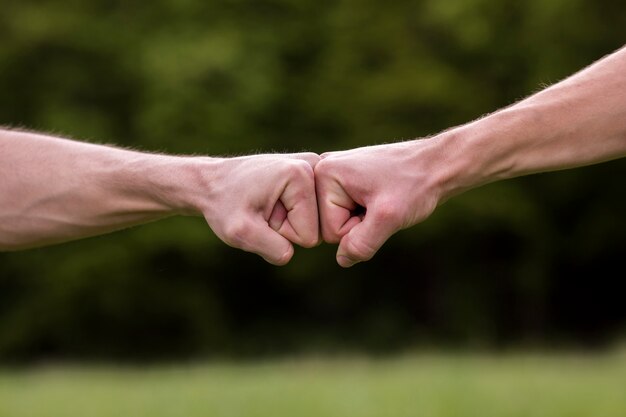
{"x":357,"y":198}
{"x":365,"y":195}
{"x":55,"y":190}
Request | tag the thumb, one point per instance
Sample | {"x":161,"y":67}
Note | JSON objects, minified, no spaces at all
{"x":256,"y":236}
{"x":365,"y":238}
{"x":269,"y":244}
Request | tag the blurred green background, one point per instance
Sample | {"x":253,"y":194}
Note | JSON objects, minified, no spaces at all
{"x":535,"y":261}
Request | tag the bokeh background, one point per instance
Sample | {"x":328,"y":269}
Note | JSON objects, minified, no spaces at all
{"x":534,"y":262}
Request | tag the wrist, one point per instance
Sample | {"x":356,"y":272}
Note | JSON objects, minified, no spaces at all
{"x":443,"y":166}
{"x":458,"y":165}
{"x":187,"y":184}
{"x":483,"y":151}
{"x":171,"y":185}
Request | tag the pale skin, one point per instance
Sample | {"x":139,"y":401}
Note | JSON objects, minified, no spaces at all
{"x":55,"y":190}
{"x":367,"y":194}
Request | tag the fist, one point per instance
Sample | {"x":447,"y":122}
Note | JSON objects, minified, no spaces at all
{"x":365,"y":195}
{"x":264,"y":203}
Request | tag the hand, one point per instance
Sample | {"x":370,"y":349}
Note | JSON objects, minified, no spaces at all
{"x":365,"y":195}
{"x":264,"y":203}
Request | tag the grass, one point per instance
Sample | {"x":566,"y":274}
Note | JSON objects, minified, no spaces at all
{"x":419,"y":385}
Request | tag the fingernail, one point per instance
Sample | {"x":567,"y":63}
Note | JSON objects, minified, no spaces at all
{"x":345,"y":262}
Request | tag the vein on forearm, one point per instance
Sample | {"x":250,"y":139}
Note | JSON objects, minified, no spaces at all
{"x":55,"y":189}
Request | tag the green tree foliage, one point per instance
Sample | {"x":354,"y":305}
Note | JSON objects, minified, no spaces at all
{"x":527,"y":260}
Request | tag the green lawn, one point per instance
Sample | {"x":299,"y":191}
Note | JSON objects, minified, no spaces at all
{"x":420,"y":385}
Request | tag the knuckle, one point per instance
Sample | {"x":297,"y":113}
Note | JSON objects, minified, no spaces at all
{"x":388,"y":212}
{"x":323,"y":166}
{"x":237,"y":233}
{"x":310,"y":157}
{"x":300,"y":170}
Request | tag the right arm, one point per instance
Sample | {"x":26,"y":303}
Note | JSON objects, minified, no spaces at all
{"x":579,"y":121}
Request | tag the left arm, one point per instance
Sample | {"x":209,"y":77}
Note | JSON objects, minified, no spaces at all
{"x":54,"y":190}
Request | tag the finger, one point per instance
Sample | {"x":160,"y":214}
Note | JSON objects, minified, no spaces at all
{"x":365,"y":238}
{"x":335,"y":209}
{"x":300,"y":201}
{"x":258,"y":237}
{"x":278,"y":216}
{"x":278,"y":221}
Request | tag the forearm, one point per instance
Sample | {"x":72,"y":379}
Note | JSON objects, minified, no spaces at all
{"x":579,"y":121}
{"x":54,"y":190}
